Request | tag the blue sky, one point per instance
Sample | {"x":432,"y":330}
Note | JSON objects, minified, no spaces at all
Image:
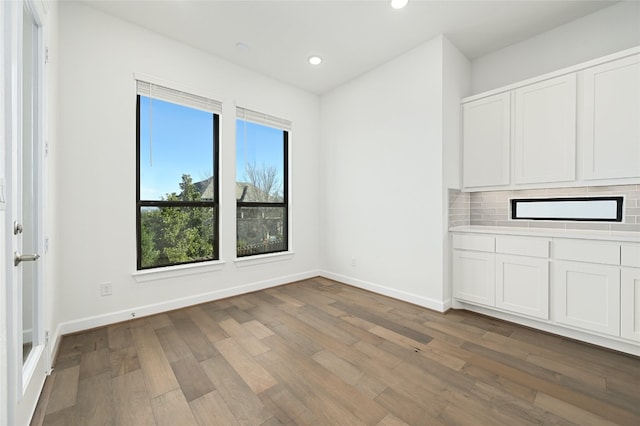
{"x":181,"y":143}
{"x":259,"y":145}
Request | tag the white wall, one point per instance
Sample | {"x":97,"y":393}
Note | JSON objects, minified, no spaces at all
{"x":384,"y":177}
{"x":456,"y":85}
{"x":601,"y":33}
{"x":96,"y":169}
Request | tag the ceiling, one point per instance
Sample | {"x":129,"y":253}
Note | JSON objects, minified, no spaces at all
{"x":275,"y":38}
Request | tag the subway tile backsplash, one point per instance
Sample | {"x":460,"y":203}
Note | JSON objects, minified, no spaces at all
{"x":458,"y":208}
{"x":492,"y":208}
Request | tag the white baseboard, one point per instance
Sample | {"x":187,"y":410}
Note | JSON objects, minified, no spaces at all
{"x":436,"y":305}
{"x":87,"y":323}
{"x":607,"y":342}
{"x":447,"y":305}
{"x":157,"y":308}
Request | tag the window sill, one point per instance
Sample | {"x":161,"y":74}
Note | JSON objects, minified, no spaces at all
{"x":260,"y":259}
{"x":177,"y":271}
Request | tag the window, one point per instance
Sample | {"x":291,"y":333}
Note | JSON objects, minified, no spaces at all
{"x":261,"y":183}
{"x":592,"y":209}
{"x":177,"y":177}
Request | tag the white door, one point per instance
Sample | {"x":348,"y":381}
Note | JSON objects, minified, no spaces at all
{"x":610,"y":120}
{"x":22,"y":79}
{"x":486,"y":139}
{"x":522,"y":285}
{"x":630,"y":304}
{"x":545,"y":131}
{"x":587,"y":295}
{"x":474,"y":277}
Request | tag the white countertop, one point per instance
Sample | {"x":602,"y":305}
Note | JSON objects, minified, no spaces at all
{"x":551,"y":233}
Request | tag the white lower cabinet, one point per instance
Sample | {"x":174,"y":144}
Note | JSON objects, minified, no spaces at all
{"x":474,"y":276}
{"x":587,"y":296}
{"x":630,"y":304}
{"x":522,"y":285}
{"x":576,"y":286}
{"x":509,"y":273}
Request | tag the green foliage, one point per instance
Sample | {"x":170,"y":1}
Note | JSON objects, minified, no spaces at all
{"x":149,"y":252}
{"x":173,"y":235}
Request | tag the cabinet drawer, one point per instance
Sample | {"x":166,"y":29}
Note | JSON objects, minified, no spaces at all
{"x":630,"y":255}
{"x":587,"y":251}
{"x":523,"y":246}
{"x":474,"y":242}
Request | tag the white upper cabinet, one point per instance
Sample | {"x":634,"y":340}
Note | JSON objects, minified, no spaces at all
{"x":545,"y":131}
{"x":610,"y":119}
{"x":486,"y":133}
{"x":578,"y":126}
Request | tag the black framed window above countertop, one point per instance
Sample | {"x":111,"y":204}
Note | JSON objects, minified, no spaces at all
{"x":586,"y":209}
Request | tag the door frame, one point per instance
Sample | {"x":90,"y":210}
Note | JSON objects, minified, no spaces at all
{"x":5,"y":53}
{"x":23,"y":381}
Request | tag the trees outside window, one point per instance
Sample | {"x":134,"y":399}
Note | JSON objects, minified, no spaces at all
{"x":177,"y":178}
{"x":261,"y":184}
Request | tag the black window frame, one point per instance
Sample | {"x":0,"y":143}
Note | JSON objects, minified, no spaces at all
{"x":284,"y":204}
{"x":140,"y":204}
{"x":515,"y":202}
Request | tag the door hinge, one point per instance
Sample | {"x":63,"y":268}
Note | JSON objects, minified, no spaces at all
{"x":3,"y":200}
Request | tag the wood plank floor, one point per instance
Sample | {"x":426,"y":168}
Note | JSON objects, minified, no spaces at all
{"x":320,"y":352}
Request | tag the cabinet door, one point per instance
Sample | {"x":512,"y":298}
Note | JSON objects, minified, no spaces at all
{"x":630,"y":304}
{"x":587,"y":295}
{"x":486,"y":139}
{"x":522,"y":285}
{"x":545,"y":131}
{"x":474,"y":277}
{"x":610,"y":120}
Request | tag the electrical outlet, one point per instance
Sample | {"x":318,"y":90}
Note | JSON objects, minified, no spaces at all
{"x":354,"y":261}
{"x":105,"y":289}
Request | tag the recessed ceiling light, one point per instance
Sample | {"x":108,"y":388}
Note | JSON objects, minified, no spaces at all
{"x":399,"y":4}
{"x":315,"y":60}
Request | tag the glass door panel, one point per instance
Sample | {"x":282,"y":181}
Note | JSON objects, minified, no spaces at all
{"x":28,"y":235}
